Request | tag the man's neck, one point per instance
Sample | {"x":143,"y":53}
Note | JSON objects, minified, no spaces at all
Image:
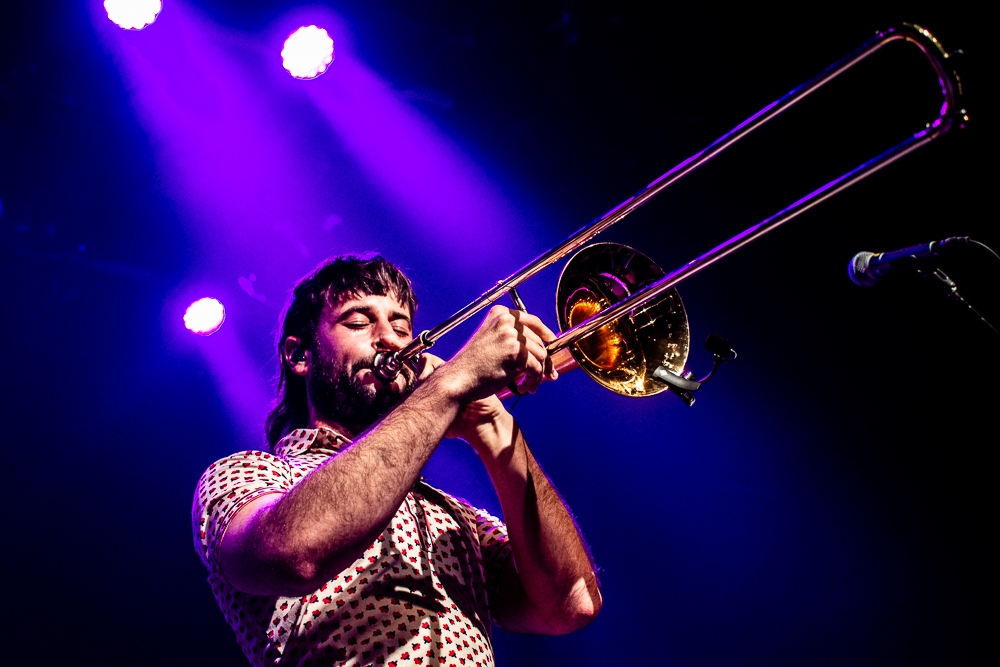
{"x":318,"y":421}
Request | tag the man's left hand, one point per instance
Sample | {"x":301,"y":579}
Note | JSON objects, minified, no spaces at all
{"x":485,"y":424}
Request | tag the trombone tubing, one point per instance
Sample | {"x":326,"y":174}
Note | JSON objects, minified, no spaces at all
{"x":948,"y":114}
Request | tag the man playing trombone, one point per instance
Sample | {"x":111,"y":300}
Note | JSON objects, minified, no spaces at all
{"x":330,"y":549}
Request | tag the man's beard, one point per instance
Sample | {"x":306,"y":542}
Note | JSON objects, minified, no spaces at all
{"x":339,"y":395}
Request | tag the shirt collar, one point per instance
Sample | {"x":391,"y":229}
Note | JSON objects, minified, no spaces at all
{"x":302,"y":440}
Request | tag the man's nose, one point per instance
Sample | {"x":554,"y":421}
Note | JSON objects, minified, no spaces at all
{"x":386,"y":338}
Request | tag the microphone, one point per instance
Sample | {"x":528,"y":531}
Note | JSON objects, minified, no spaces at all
{"x":867,"y":268}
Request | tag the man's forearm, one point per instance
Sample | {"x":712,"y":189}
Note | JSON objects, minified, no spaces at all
{"x":322,"y":524}
{"x":560,"y":591}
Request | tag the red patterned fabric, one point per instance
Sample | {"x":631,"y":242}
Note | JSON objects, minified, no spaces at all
{"x":417,"y":596}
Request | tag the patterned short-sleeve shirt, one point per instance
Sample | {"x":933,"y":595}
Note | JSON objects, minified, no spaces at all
{"x":419,"y":595}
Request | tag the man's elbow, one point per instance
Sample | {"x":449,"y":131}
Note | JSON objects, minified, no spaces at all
{"x":279,"y":567}
{"x":302,"y":571}
{"x":272,"y":576}
{"x":582,"y":606}
{"x":573,"y":621}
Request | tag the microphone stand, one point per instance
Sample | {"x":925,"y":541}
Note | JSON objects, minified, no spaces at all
{"x":951,"y":292}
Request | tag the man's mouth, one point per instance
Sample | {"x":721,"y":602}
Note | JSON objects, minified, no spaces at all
{"x":365,"y":374}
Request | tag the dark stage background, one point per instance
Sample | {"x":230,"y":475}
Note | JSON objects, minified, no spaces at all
{"x":827,"y":501}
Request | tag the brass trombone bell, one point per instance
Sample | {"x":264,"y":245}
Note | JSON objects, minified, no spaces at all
{"x":622,"y":354}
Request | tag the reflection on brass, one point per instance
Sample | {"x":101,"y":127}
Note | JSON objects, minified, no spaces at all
{"x":605,"y":348}
{"x":622,"y":354}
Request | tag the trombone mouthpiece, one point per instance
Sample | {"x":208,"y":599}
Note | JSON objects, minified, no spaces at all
{"x":387,"y":365}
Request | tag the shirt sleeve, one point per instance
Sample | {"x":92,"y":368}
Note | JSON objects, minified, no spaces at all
{"x":494,"y":547}
{"x":227,"y":486}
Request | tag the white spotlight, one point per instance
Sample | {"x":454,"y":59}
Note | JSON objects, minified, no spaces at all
{"x":205,"y":316}
{"x":133,"y":14}
{"x":307,"y":52}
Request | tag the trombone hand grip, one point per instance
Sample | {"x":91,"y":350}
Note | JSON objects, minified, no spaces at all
{"x":563,"y":361}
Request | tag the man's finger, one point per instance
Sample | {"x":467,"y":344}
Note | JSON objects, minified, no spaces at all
{"x":551,"y":373}
{"x":526,"y":334}
{"x":533,"y":363}
{"x":535,"y":325}
{"x":428,"y":362}
{"x":532,"y":375}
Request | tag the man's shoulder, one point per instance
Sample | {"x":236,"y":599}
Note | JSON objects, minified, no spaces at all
{"x":294,"y":448}
{"x":243,"y":458}
{"x":294,"y":456}
{"x":240,"y":464}
{"x":239,"y":470}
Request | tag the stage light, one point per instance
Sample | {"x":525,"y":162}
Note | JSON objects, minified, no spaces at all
{"x":133,"y":14}
{"x":205,"y":316}
{"x":307,"y":52}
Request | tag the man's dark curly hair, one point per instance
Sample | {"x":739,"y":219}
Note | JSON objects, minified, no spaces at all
{"x":335,"y":279}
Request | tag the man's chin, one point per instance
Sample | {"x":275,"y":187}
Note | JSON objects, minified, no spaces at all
{"x":360,"y":398}
{"x":372,"y":385}
{"x":366,"y":378}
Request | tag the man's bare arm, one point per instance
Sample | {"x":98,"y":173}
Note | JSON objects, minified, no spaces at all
{"x":291,"y":543}
{"x":550,"y":587}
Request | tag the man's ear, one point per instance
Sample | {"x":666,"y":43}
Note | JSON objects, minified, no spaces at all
{"x":296,"y":357}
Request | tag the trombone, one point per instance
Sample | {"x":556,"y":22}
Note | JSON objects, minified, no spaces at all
{"x":621,"y":317}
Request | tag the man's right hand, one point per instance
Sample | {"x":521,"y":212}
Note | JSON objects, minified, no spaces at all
{"x":509,"y":346}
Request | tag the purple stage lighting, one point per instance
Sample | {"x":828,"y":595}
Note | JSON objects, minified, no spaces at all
{"x":205,"y":316}
{"x":133,"y":14}
{"x":307,"y":52}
